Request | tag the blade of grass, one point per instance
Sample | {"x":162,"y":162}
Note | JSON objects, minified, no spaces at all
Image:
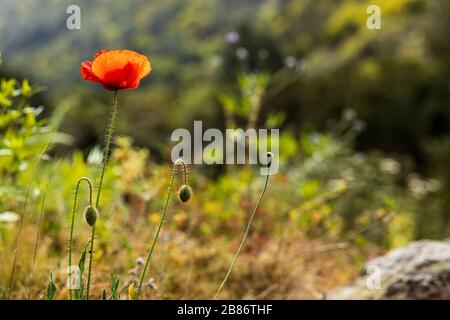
{"x":24,"y":209}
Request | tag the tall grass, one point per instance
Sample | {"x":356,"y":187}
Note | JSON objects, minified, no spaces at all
{"x":16,"y":245}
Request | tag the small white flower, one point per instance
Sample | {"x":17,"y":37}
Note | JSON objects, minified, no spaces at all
{"x":232,"y":37}
{"x":291,"y":62}
{"x":242,"y":53}
{"x":349,"y":114}
{"x":9,"y":216}
{"x":389,"y":166}
{"x":417,"y":186}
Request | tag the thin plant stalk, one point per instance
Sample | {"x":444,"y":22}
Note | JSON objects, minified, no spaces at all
{"x":17,"y":239}
{"x":44,"y":196}
{"x":107,"y":146}
{"x":105,"y":160}
{"x":91,"y":252}
{"x":161,"y":221}
{"x":38,"y":235}
{"x":72,"y":222}
{"x":243,"y":239}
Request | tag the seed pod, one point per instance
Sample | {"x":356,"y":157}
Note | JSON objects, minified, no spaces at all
{"x":184,"y":193}
{"x":90,"y":214}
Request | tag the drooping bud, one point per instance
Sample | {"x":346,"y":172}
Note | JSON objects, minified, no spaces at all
{"x":184,"y":193}
{"x":90,"y":215}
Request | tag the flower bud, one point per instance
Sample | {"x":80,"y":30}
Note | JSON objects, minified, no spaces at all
{"x":184,"y":193}
{"x":90,"y":214}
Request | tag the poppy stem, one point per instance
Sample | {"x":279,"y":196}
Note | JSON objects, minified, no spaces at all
{"x":105,"y":160}
{"x":243,"y":239}
{"x":91,"y":253}
{"x":107,"y":146}
{"x":155,"y":239}
{"x":72,"y":222}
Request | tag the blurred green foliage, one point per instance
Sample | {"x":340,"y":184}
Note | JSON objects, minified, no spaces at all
{"x":394,"y":78}
{"x":21,"y":133}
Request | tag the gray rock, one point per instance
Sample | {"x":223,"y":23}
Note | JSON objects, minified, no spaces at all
{"x":421,"y":270}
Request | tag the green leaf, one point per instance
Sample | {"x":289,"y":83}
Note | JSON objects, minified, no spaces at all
{"x":51,"y":289}
{"x":8,"y":87}
{"x":82,"y":261}
{"x":26,"y":88}
{"x":4,"y":101}
{"x":81,"y":264}
{"x":114,"y":287}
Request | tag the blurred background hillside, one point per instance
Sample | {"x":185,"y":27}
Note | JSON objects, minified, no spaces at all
{"x":395,"y":79}
{"x":364,"y":114}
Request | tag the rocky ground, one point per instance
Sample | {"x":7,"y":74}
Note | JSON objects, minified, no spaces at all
{"x":421,"y":270}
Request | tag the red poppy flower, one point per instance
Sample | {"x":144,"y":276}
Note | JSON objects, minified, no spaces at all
{"x":116,"y":69}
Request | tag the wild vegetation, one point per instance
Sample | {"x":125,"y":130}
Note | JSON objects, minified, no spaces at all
{"x":364,"y":147}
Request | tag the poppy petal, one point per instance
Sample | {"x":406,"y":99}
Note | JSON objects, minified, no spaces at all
{"x":100,"y":52}
{"x":116,"y":69}
{"x":86,"y":71}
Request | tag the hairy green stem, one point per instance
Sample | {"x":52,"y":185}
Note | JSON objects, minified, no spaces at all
{"x":149,"y":256}
{"x":107,"y":146}
{"x":72,"y":222}
{"x":243,"y":239}
{"x":105,"y":160}
{"x":91,"y":252}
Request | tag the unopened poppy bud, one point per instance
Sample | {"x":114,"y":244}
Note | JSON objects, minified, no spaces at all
{"x":184,"y":193}
{"x":90,"y":215}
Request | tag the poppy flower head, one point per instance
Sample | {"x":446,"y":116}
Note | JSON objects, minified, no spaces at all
{"x":116,"y":69}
